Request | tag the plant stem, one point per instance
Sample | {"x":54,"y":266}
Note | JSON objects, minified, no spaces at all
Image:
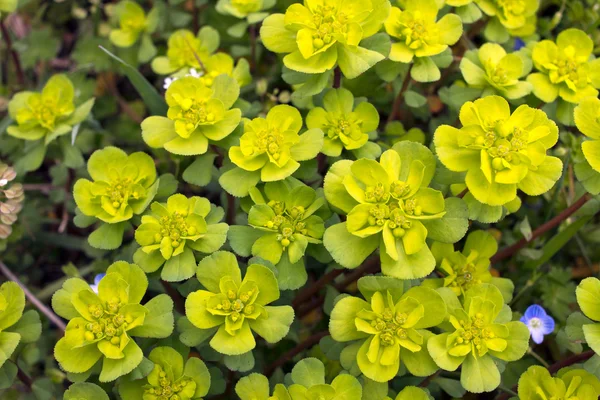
{"x":314,"y":288}
{"x":306,"y":344}
{"x":177,"y":298}
{"x":539,"y":231}
{"x":32,"y":299}
{"x":337,"y":78}
{"x":13,"y":53}
{"x":507,"y":391}
{"x":537,"y":357}
{"x":399,"y":97}
{"x":23,"y":377}
{"x":252,"y":34}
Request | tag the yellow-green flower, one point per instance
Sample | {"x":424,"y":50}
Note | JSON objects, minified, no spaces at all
{"x":186,"y":51}
{"x":345,"y":126}
{"x":500,"y":151}
{"x":243,"y":8}
{"x":419,"y":34}
{"x":8,"y":6}
{"x":196,"y":114}
{"x":133,"y":23}
{"x":122,"y":185}
{"x":517,"y":16}
{"x":320,"y":34}
{"x":270,"y":150}
{"x":48,"y":114}
{"x":565,"y":68}
{"x":490,"y":68}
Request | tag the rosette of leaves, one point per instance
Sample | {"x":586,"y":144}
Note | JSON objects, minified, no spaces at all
{"x":85,"y":390}
{"x":494,"y":71}
{"x":283,"y":224}
{"x":390,"y":206}
{"x":517,"y":18}
{"x":187,"y":51}
{"x":346,"y":124}
{"x":230,"y":309}
{"x":270,"y":150}
{"x":419,"y":36}
{"x":11,"y":200}
{"x":250,"y":11}
{"x":102,"y":326}
{"x":317,"y":36}
{"x":48,"y":114}
{"x":308,"y":381}
{"x":256,"y":386}
{"x":462,"y":270}
{"x":169,"y":235}
{"x":478,"y":331}
{"x":15,"y":326}
{"x":565,"y":69}
{"x":499,"y":151}
{"x":587,"y":120}
{"x":571,"y":384}
{"x":135,"y":26}
{"x":170,"y":378}
{"x":122,"y":185}
{"x":197,"y":115}
{"x":588,"y":298}
{"x":388,"y":328}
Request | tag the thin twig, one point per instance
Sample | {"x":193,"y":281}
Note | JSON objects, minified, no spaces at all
{"x":32,"y":299}
{"x":13,"y":53}
{"x":425,"y":382}
{"x":399,"y":97}
{"x":554,"y":222}
{"x":308,"y":343}
{"x":337,"y":78}
{"x":23,"y":377}
{"x":314,"y":288}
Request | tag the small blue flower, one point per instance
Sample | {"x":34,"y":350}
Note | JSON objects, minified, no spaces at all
{"x":538,"y":322}
{"x":97,"y":280}
{"x":519,"y":44}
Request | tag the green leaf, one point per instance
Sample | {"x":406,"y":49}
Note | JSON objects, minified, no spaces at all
{"x":29,"y":327}
{"x":85,"y":390}
{"x":159,"y":321}
{"x":414,"y":99}
{"x":149,"y":94}
{"x":190,"y":335}
{"x":32,"y":159}
{"x":200,"y":171}
{"x":453,"y":226}
{"x":179,"y":267}
{"x":479,"y":374}
{"x":107,"y":236}
{"x":425,"y":70}
{"x":309,"y":372}
{"x":8,"y":373}
{"x":242,"y":363}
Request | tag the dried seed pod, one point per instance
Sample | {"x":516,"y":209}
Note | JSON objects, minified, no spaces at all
{"x":11,"y":199}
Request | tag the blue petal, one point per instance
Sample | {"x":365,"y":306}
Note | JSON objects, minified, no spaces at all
{"x":537,"y":336}
{"x":547,"y":325}
{"x":519,"y":43}
{"x":98,"y":278}
{"x":535,"y":311}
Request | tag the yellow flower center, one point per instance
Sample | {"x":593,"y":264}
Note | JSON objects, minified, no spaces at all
{"x":389,"y":325}
{"x":236,"y":305}
{"x":287,"y":222}
{"x":416,"y":32}
{"x":174,"y":227}
{"x":376,"y":194}
{"x":189,"y":114}
{"x":108,"y":324}
{"x":500,"y":76}
{"x":330,"y":24}
{"x":474,"y":332}
{"x":511,"y":7}
{"x":269,"y":141}
{"x":119,"y":192}
{"x":565,"y":69}
{"x":465,"y":277}
{"x":399,"y":189}
{"x":167,"y":389}
{"x":44,"y":111}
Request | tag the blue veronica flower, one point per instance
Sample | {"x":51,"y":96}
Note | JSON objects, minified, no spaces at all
{"x":538,"y":322}
{"x":519,"y":44}
{"x":97,"y":280}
